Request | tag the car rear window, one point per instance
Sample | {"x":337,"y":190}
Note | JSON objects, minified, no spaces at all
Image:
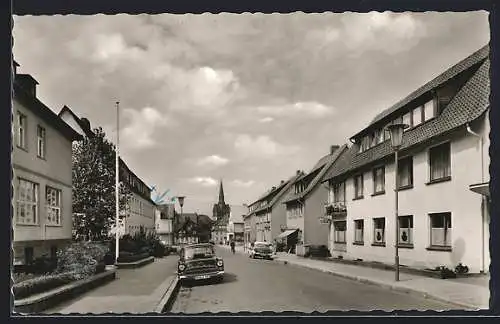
{"x":198,"y":252}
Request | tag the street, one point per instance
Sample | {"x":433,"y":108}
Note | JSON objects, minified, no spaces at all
{"x":262,"y":285}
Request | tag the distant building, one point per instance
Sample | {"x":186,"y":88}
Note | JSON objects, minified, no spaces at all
{"x":235,"y":231}
{"x":42,"y":179}
{"x":191,"y":228}
{"x":221,"y":214}
{"x":140,"y":210}
{"x":164,"y":223}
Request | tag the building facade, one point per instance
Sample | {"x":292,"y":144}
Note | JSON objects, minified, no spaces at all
{"x":443,"y":163}
{"x":164,"y":223}
{"x":140,"y":209}
{"x":192,"y":228}
{"x":304,"y":205}
{"x":221,"y":213}
{"x":42,"y":175}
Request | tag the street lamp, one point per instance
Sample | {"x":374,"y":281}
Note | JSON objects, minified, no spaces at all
{"x":396,"y":131}
{"x":181,"y":203}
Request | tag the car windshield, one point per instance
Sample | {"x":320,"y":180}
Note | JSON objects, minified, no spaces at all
{"x":262,"y":246}
{"x":198,"y":252}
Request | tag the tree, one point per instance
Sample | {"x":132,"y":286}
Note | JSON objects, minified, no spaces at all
{"x":94,"y":187}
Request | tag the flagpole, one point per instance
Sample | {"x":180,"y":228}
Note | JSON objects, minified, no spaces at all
{"x":117,"y":183}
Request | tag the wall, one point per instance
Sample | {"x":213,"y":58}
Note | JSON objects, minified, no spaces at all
{"x":140,"y":216}
{"x":451,"y":196}
{"x":278,"y":216}
{"x":53,"y":171}
{"x":315,"y":233}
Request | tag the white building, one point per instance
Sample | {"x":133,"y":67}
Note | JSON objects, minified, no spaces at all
{"x":42,"y":178}
{"x":164,"y":223}
{"x":443,"y":159}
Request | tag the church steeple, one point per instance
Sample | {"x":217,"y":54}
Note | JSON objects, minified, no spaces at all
{"x":221,"y":194}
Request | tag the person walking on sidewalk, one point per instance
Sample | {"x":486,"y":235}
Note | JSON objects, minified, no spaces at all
{"x":232,"y":247}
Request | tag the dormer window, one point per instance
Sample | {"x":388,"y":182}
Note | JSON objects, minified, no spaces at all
{"x":429,"y":110}
{"x":417,"y":116}
{"x":407,"y":120}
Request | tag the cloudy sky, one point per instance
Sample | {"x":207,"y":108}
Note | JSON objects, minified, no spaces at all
{"x":249,"y":98}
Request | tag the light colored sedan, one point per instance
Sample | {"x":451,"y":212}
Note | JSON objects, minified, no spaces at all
{"x":262,"y":250}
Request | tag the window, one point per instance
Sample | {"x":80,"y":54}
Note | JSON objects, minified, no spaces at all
{"x":429,"y":111}
{"x":358,"y":186}
{"x":27,"y":203}
{"x":405,"y":172}
{"x":378,"y":180}
{"x":417,"y":116}
{"x":380,"y":135}
{"x":358,"y":230}
{"x":53,"y":201}
{"x":339,"y":192}
{"x":379,"y":230}
{"x":407,"y":120}
{"x":22,"y":124}
{"x":439,"y":160}
{"x":440,"y":229}
{"x":405,"y":229}
{"x":40,"y":142}
{"x":28,"y":255}
{"x":387,"y":134}
{"x":339,"y":229}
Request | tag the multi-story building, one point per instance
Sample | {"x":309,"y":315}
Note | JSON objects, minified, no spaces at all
{"x":250,"y":226}
{"x":270,"y":212}
{"x":221,"y":214}
{"x":192,"y":228}
{"x":442,"y":160}
{"x":140,"y":210}
{"x":304,"y":205}
{"x":165,"y":214}
{"x":42,"y":182}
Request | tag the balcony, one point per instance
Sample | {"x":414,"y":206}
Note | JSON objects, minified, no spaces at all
{"x":335,"y":209}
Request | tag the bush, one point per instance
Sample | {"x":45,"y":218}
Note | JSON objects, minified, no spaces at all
{"x":81,"y":259}
{"x":159,"y":249}
{"x":42,"y":265}
{"x":100,"y":267}
{"x":21,"y":276}
{"x":40,"y":284}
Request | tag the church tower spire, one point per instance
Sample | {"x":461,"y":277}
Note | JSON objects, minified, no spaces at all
{"x":221,"y":194}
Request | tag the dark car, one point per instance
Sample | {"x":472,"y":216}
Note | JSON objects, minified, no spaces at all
{"x":199,"y":262}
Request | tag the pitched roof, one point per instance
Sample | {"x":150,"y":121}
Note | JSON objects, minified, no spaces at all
{"x":470,"y":102}
{"x":477,"y":57}
{"x":82,"y":122}
{"x":325,"y":163}
{"x":44,"y":112}
{"x":277,"y":193}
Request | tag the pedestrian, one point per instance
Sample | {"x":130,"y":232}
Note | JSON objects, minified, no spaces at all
{"x":232,"y":247}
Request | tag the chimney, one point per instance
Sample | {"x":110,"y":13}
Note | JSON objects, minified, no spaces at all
{"x":333,"y":148}
{"x":298,"y":172}
{"x":282,"y":181}
{"x":15,"y":64}
{"x":28,"y":83}
{"x":273,"y":188}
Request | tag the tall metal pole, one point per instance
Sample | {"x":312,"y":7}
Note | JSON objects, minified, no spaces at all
{"x":117,"y":182}
{"x":396,"y":214}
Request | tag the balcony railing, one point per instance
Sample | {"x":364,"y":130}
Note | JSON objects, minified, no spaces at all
{"x":335,"y":208}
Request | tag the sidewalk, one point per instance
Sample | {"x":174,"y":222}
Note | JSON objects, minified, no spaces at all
{"x":463,"y":293}
{"x":136,"y":290}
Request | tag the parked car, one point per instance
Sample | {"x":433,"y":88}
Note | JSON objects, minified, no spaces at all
{"x":261,"y":250}
{"x":200,"y":262}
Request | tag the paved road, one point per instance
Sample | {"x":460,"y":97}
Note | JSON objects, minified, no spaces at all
{"x":259,"y":285}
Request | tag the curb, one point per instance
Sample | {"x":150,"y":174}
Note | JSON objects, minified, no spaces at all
{"x":406,"y":290}
{"x":53,"y":297}
{"x":168,"y":297}
{"x":136,"y":264}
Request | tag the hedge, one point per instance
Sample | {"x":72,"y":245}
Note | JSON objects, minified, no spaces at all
{"x":40,"y":284}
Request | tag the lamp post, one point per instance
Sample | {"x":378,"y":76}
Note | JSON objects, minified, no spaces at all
{"x":117,"y":183}
{"x":396,"y":131}
{"x":181,"y":203}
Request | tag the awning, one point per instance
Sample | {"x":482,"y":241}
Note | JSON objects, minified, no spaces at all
{"x":481,"y":188}
{"x":286,"y":233}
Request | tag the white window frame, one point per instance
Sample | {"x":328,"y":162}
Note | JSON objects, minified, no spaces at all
{"x":429,"y":109}
{"x":358,"y":192}
{"x":359,"y":232}
{"x":374,"y":173}
{"x":339,"y":192}
{"x":22,"y":128}
{"x":440,"y":164}
{"x":55,"y":208}
{"x":446,"y":229}
{"x":27,"y":204}
{"x":408,"y":229}
{"x":41,"y":135}
{"x":417,"y":112}
{"x":375,"y":228}
{"x":410,"y":172}
{"x":408,"y":120}
{"x":339,"y":236}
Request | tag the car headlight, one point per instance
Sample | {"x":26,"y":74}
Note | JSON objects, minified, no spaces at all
{"x":220,"y":263}
{"x":182,"y":267}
